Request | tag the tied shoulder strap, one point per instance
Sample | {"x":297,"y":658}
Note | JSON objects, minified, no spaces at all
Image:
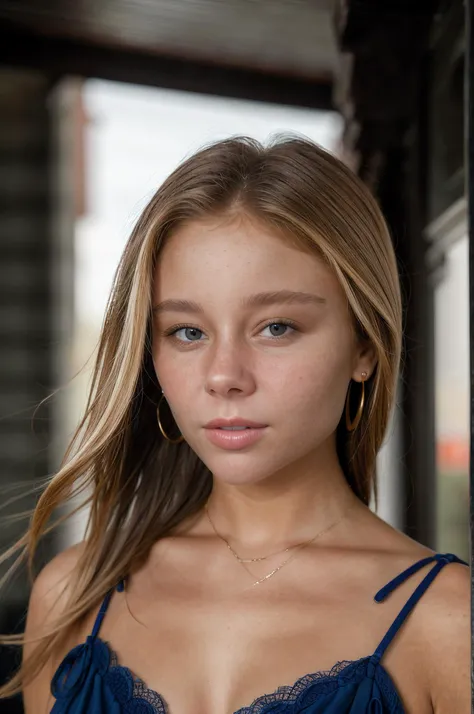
{"x":440,"y":560}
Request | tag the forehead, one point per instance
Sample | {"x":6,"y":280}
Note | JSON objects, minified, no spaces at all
{"x":227,"y":257}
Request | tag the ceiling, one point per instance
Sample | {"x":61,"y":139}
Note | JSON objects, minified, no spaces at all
{"x":292,"y":38}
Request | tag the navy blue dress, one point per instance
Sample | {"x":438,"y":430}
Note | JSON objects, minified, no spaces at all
{"x":90,"y":680}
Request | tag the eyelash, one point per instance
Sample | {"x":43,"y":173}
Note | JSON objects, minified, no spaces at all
{"x":171,"y":332}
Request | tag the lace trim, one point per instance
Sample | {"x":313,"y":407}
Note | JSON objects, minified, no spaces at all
{"x":302,"y":691}
{"x":301,"y":694}
{"x":140,"y":690}
{"x":387,"y":687}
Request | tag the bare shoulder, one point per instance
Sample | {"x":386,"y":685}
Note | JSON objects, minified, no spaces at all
{"x":441,"y":622}
{"x":445,"y":628}
{"x":47,"y":599}
{"x":52,"y":581}
{"x":448,"y":601}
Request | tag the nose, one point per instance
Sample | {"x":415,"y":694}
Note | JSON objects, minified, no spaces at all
{"x":229,"y":370}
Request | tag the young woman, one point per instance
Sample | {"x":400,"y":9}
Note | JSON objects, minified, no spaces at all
{"x":245,"y":377}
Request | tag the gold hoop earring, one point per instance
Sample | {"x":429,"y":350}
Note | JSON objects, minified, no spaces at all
{"x":172,"y":441}
{"x":352,"y":426}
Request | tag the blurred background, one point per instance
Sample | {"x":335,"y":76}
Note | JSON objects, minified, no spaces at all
{"x":100,"y":100}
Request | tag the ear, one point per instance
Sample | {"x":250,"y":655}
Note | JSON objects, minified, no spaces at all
{"x":365,"y":361}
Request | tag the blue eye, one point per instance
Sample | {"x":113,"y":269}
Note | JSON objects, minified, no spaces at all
{"x":190,"y":333}
{"x":279,"y":326}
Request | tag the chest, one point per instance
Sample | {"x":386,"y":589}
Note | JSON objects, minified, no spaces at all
{"x":209,"y":654}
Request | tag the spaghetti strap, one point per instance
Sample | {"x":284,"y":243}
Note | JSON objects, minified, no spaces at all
{"x":440,"y":560}
{"x":103,"y":608}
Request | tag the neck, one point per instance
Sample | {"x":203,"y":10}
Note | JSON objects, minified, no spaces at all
{"x":280,"y":511}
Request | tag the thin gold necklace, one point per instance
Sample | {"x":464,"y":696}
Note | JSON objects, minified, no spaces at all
{"x":297,"y":547}
{"x":248,"y":560}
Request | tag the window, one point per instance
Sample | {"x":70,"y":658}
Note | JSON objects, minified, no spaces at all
{"x":452,"y":397}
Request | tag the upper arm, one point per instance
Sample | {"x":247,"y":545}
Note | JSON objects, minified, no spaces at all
{"x":449,"y":636}
{"x":46,"y":600}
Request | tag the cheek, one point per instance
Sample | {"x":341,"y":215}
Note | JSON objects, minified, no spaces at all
{"x":177,"y":379}
{"x":314,"y":385}
{"x":163,"y":364}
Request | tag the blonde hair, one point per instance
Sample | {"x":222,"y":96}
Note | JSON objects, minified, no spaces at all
{"x":139,"y":486}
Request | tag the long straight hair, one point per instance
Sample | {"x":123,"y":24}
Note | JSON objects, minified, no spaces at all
{"x":138,"y":486}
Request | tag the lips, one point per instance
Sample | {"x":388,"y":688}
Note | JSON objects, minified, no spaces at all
{"x":238,"y":439}
{"x":235,"y":421}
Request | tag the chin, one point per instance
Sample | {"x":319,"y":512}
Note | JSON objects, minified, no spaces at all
{"x":246,"y":466}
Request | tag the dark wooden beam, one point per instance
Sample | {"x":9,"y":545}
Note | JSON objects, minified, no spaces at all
{"x":382,"y":95}
{"x":382,"y":46}
{"x":59,"y":56}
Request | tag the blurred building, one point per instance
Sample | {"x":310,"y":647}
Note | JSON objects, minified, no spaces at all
{"x":383,"y":83}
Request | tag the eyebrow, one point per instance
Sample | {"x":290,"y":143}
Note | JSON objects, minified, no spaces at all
{"x":287,"y":297}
